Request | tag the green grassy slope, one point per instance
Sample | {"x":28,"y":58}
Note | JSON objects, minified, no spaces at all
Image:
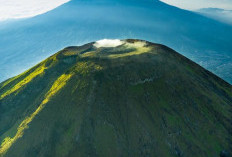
{"x":136,"y":99}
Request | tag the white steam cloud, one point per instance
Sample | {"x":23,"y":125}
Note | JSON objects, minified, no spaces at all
{"x":108,"y":43}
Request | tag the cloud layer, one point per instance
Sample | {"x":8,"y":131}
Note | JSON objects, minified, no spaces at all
{"x":197,"y":4}
{"x":14,"y":9}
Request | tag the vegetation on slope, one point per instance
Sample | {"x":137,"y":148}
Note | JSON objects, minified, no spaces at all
{"x":135,"y":99}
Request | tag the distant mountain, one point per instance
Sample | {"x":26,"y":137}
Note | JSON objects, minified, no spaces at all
{"x":116,"y":98}
{"x":24,"y":43}
{"x":217,"y":14}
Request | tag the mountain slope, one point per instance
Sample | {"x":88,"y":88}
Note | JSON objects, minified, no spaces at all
{"x":116,"y":98}
{"x":25,"y":43}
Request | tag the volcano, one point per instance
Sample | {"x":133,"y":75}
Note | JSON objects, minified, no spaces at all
{"x":26,"y":42}
{"x":116,"y":98}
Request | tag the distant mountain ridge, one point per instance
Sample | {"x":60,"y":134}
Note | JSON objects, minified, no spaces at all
{"x":217,"y":14}
{"x":25,"y":43}
{"x":116,"y":98}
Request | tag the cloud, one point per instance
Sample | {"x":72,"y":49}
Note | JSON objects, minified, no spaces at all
{"x":108,"y":43}
{"x":197,"y":4}
{"x":14,"y":9}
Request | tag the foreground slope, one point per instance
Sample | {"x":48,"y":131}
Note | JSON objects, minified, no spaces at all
{"x":25,"y":43}
{"x":116,"y":98}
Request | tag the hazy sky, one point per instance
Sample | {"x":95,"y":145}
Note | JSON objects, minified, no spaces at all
{"x":197,"y":4}
{"x":26,"y":8}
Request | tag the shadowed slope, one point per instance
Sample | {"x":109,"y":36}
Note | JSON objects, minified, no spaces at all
{"x":131,"y":99}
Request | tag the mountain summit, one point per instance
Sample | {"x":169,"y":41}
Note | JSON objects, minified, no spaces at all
{"x":116,"y":98}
